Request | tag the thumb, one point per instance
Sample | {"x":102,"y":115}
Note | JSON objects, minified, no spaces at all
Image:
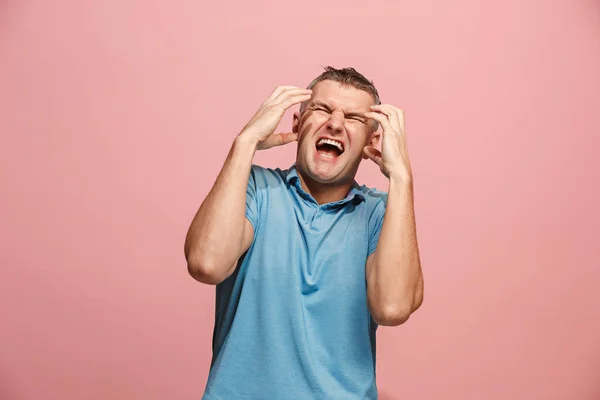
{"x":373,"y":154}
{"x":278,"y":139}
{"x":285,"y":138}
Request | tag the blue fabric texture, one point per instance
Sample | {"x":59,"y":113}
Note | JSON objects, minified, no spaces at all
{"x":292,"y":321}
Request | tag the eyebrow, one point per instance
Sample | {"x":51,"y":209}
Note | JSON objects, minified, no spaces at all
{"x":320,"y":104}
{"x":349,"y":114}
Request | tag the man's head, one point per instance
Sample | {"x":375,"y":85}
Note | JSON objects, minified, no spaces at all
{"x":346,"y":77}
{"x":332,"y":130}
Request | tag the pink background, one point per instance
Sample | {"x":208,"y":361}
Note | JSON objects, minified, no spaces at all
{"x":115,"y":117}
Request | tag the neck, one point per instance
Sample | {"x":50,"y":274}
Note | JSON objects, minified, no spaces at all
{"x":324,"y":193}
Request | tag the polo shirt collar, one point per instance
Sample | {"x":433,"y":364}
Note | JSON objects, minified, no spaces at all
{"x":353,"y":194}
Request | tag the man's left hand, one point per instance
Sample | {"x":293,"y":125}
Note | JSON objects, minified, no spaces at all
{"x":393,"y":157}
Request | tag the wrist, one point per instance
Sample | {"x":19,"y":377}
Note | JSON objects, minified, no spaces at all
{"x":246,"y":141}
{"x":400,"y":177}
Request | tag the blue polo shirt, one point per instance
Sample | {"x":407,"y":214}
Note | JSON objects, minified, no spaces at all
{"x":292,"y":321}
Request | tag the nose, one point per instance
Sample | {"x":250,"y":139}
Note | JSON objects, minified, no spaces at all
{"x":335,"y":124}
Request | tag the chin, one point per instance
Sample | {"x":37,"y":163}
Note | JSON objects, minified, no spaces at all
{"x":326,"y":171}
{"x":325,"y":177}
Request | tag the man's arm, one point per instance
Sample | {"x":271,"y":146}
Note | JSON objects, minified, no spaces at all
{"x":394,"y":275}
{"x":220,"y":233}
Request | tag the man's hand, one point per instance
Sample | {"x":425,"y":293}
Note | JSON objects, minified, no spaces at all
{"x":394,"y":275}
{"x":393,"y":157}
{"x":260,"y":129}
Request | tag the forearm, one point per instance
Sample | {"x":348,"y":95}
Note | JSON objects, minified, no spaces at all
{"x":394,"y":278}
{"x":214,"y":239}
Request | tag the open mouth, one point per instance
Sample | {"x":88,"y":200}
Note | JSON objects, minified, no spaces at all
{"x":329,"y":148}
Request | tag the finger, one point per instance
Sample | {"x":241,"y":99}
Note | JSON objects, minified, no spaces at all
{"x":394,"y":114}
{"x":374,"y":155}
{"x":381,"y":118}
{"x":285,"y":138}
{"x":277,"y":91}
{"x":290,"y":101}
{"x":279,"y":139}
{"x":286,"y":94}
{"x":401,"y":120}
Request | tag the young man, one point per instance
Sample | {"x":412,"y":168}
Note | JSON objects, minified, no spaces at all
{"x":308,"y":263}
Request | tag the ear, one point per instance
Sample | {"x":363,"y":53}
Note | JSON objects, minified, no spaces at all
{"x":373,"y":142}
{"x":375,"y":138}
{"x":296,"y":122}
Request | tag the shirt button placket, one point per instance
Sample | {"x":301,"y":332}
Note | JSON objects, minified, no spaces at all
{"x":315,"y":217}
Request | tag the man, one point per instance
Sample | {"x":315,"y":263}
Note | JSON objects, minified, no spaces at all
{"x":306,"y":265}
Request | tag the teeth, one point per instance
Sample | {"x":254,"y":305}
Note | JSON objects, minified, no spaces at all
{"x":331,"y":142}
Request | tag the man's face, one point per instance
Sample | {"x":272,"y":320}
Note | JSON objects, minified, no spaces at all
{"x":332,"y":132}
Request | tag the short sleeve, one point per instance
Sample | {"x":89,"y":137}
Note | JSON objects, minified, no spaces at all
{"x":251,"y":198}
{"x":375,"y":224}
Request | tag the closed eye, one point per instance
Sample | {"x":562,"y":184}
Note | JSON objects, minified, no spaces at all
{"x":321,"y":109}
{"x":352,"y":117}
{"x":358,"y":119}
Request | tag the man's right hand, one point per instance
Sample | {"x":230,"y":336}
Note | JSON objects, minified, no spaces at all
{"x":260,"y":129}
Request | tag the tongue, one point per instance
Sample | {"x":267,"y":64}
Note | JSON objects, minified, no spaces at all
{"x":328,"y":152}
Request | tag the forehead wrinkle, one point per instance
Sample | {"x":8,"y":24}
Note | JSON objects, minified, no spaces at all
{"x":345,"y":111}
